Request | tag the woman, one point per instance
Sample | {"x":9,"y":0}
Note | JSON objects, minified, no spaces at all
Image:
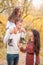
{"x":32,"y":49}
{"x":12,"y":38}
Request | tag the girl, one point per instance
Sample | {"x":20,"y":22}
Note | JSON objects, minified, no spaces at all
{"x":11,"y":20}
{"x":32,"y":49}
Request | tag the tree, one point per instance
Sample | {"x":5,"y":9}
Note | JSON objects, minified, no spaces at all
{"x":7,"y":6}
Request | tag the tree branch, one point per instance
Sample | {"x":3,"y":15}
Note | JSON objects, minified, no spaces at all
{"x":5,"y":9}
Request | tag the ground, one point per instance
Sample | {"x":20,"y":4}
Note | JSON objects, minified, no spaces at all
{"x":21,"y":60}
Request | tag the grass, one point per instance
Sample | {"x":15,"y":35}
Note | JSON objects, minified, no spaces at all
{"x":2,"y":53}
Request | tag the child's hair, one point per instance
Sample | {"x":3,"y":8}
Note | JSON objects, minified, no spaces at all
{"x":14,"y":13}
{"x":36,"y":41}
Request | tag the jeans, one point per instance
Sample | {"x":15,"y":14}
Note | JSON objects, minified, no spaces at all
{"x":12,"y":59}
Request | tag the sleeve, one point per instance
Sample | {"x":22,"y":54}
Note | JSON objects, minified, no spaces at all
{"x":6,"y":37}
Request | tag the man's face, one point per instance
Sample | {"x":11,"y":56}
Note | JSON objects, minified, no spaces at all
{"x":19,"y":24}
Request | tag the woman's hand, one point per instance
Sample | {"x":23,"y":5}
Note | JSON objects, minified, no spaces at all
{"x":22,"y":49}
{"x":20,"y":45}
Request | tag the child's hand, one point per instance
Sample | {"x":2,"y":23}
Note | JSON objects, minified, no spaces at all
{"x":15,"y":30}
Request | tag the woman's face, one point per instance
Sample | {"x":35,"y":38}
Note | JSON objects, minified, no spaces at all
{"x":31,"y":36}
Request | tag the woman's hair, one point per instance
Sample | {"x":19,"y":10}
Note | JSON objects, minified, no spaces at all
{"x":14,"y":13}
{"x":36,"y":41}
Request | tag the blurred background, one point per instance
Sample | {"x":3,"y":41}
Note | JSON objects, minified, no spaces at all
{"x":32,"y":14}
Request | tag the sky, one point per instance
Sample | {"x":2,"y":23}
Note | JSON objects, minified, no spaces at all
{"x":36,"y":3}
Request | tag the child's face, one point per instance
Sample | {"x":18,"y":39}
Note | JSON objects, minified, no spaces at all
{"x":31,"y":36}
{"x":19,"y":13}
{"x":19,"y":24}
